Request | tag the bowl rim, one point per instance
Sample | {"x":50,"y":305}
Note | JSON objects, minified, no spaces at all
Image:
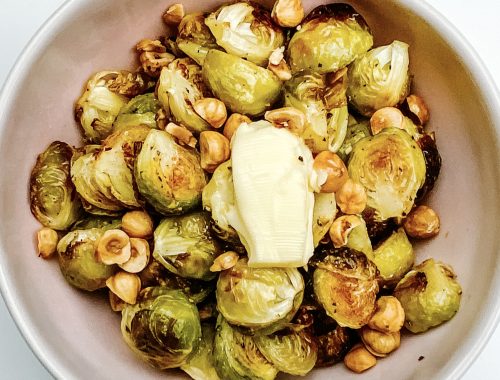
{"x":450,"y":34}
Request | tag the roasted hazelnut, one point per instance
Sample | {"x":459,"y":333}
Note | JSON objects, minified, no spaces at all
{"x":115,"y":302}
{"x":387,"y":117}
{"x":288,"y":13}
{"x":125,"y":285}
{"x":389,"y":315}
{"x":47,"y":240}
{"x":174,"y":14}
{"x":137,"y":224}
{"x":139,"y":256}
{"x":232,"y":124}
{"x":331,"y":171}
{"x":212,"y":110}
{"x":341,"y":227}
{"x":281,"y":70}
{"x":417,"y":106}
{"x":422,"y":223}
{"x":214,"y":150}
{"x":287,"y":117}
{"x":351,"y":197}
{"x":359,"y":359}
{"x":113,"y":247}
{"x":379,"y":343}
{"x":225,"y":261}
{"x":182,"y":134}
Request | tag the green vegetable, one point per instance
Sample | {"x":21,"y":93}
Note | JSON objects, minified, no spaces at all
{"x":194,"y":38}
{"x":324,"y":211}
{"x":140,"y":110}
{"x":96,"y":221}
{"x":355,"y":132}
{"x":200,"y":365}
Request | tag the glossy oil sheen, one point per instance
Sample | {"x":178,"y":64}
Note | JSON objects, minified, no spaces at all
{"x":78,"y":337}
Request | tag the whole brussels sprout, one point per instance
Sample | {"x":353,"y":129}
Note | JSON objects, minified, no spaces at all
{"x":169,"y":176}
{"x":246,"y":30}
{"x":330,"y":38}
{"x":355,"y":132}
{"x":184,"y":246}
{"x":194,"y":37}
{"x":242,"y":85}
{"x":324,"y":211}
{"x":380,"y":78}
{"x":163,"y":327}
{"x":200,"y":365}
{"x":140,"y":110}
{"x":294,"y":353}
{"x":78,"y":261}
{"x":345,"y":285}
{"x":260,"y":299}
{"x":237,"y":357}
{"x":53,"y":198}
{"x":430,"y":295}
{"x":394,"y":257}
{"x":179,"y":87}
{"x":105,"y":95}
{"x":391,"y":167}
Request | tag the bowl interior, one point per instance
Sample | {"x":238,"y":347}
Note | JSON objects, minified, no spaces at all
{"x":76,"y":334}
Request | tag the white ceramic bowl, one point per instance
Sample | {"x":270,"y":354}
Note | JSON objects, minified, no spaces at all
{"x":76,"y":335}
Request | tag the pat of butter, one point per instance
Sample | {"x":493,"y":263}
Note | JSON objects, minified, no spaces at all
{"x":274,"y":202}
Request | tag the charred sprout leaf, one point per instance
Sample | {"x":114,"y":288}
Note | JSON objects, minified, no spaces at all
{"x":333,"y":345}
{"x":246,"y":30}
{"x":53,"y":198}
{"x":169,"y":176}
{"x":184,"y":246}
{"x":355,"y":132}
{"x":380,"y":78}
{"x":78,"y":261}
{"x":430,"y":295}
{"x":325,"y":209}
{"x":394,"y":257}
{"x":432,"y":163}
{"x":260,"y":299}
{"x":96,"y":221}
{"x":200,"y":365}
{"x":330,"y":38}
{"x":242,"y":85}
{"x":391,"y":167}
{"x":140,"y":110}
{"x":237,"y":357}
{"x":195,"y":38}
{"x":163,"y":328}
{"x":345,"y":285}
{"x":294,"y":352}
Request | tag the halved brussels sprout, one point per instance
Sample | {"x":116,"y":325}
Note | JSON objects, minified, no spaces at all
{"x":78,"y":261}
{"x":324,"y":211}
{"x":140,"y":110}
{"x":329,"y":38}
{"x":325,"y":107}
{"x":380,"y":78}
{"x":237,"y":356}
{"x":391,"y":167}
{"x":261,"y":299}
{"x":163,"y":327}
{"x":394,"y":257}
{"x":355,"y":132}
{"x":53,"y":198}
{"x":194,"y":37}
{"x":359,"y":240}
{"x":179,"y":87}
{"x":200,"y":365}
{"x":345,"y":284}
{"x":246,"y":30}
{"x":105,"y":95}
{"x":96,"y":221}
{"x":430,"y":295}
{"x":333,"y":345}
{"x":294,"y":353}
{"x":242,"y":85}
{"x":169,"y":176}
{"x":184,"y":246}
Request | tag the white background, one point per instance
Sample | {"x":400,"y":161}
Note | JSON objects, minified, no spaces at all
{"x":19,"y":20}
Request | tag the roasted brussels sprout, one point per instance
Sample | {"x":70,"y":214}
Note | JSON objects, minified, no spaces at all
{"x":330,"y":38}
{"x":391,"y":167}
{"x":345,"y":284}
{"x":53,"y":198}
{"x":194,"y":37}
{"x":333,"y":345}
{"x":294,"y":353}
{"x":246,"y":30}
{"x":184,"y":246}
{"x":140,"y":110}
{"x":179,"y":87}
{"x":359,"y":240}
{"x":325,"y":107}
{"x":78,"y":261}
{"x":260,"y":299}
{"x":169,"y":176}
{"x":163,"y":327}
{"x":242,"y":85}
{"x":200,"y":365}
{"x":325,"y":209}
{"x":355,"y":132}
{"x":97,"y":221}
{"x":105,"y":95}
{"x":237,"y":357}
{"x":430,"y":295}
{"x":394,"y":257}
{"x":432,"y":163}
{"x":380,"y":78}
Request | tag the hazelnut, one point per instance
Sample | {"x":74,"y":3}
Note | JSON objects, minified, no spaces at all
{"x":379,"y":343}
{"x":387,"y":117}
{"x":331,"y":171}
{"x":232,"y":124}
{"x":287,"y":117}
{"x":152,"y":63}
{"x":214,"y":150}
{"x":139,"y":256}
{"x":212,"y":110}
{"x":359,"y":359}
{"x":47,"y":240}
{"x":182,"y":134}
{"x":276,"y":56}
{"x":281,"y":70}
{"x":150,"y":46}
{"x":351,"y":197}
{"x":137,"y":224}
{"x":341,"y":227}
{"x":225,"y":261}
{"x":174,"y":14}
{"x":422,"y":223}
{"x":113,"y":247}
{"x":161,"y":118}
{"x":288,"y":13}
{"x":417,"y":106}
{"x":389,"y":315}
{"x":116,"y":303}
{"x":125,"y":285}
